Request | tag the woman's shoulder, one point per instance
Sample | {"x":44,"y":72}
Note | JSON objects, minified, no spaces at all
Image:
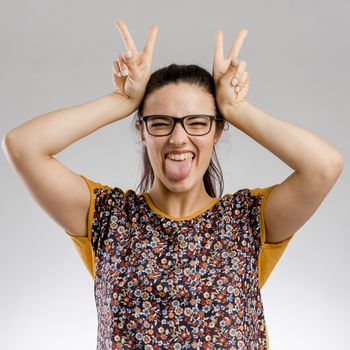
{"x":93,"y":185}
{"x":250,"y":193}
{"x":111,"y":196}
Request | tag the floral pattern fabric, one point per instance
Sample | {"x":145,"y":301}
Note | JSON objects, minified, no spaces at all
{"x":178,"y":283}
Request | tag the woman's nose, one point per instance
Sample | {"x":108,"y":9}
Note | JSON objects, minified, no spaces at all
{"x":179,"y":134}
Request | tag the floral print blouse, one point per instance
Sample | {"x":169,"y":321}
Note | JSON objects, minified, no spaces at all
{"x":162,"y":282}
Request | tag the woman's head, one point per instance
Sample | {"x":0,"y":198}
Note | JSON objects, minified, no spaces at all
{"x":178,"y":91}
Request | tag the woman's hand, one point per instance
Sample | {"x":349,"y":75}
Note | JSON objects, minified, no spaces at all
{"x":132,"y":70}
{"x":231,"y":78}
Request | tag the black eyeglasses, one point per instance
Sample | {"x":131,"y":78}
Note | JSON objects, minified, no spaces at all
{"x":194,"y":124}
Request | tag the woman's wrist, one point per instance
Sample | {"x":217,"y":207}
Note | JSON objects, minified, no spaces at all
{"x":233,"y":113}
{"x":124,"y":104}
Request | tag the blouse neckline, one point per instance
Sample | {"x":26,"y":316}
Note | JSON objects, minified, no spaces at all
{"x":165,"y":215}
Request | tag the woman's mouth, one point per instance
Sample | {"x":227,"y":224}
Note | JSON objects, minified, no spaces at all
{"x":178,"y":166}
{"x":181,"y":156}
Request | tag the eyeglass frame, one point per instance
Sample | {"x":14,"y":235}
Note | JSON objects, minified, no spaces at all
{"x":181,"y":121}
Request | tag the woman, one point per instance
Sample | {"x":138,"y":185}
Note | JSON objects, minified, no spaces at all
{"x":178,"y":266}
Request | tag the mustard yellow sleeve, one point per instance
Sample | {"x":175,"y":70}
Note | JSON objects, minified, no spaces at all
{"x":83,"y":244}
{"x":269,"y":253}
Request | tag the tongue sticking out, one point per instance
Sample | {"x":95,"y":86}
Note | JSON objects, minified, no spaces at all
{"x":177,"y":169}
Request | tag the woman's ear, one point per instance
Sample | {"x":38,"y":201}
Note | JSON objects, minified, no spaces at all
{"x":142,"y":136}
{"x":217,"y":135}
{"x":140,"y":129}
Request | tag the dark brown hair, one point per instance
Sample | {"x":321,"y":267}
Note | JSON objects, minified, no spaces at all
{"x":175,"y":74}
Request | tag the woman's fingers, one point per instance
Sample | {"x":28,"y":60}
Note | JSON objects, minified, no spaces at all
{"x":131,"y":55}
{"x":116,"y":69}
{"x":238,"y":43}
{"x":230,"y":72}
{"x":119,"y":67}
{"x":244,"y":78}
{"x":241,"y":67}
{"x":132,"y":68}
{"x":131,"y":64}
{"x":235,"y":73}
{"x":220,"y":63}
{"x":122,"y":66}
{"x":218,"y":47}
{"x":126,"y":36}
{"x":150,"y":42}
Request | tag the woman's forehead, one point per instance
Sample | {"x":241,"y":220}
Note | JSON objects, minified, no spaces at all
{"x":179,"y":99}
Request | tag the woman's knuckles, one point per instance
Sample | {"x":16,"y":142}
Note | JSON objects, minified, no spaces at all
{"x":234,"y":62}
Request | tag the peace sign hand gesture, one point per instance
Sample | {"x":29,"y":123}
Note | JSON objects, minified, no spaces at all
{"x":231,"y":79}
{"x":132,"y":70}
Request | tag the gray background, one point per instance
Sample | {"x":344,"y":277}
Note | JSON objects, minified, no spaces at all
{"x":56,"y":54}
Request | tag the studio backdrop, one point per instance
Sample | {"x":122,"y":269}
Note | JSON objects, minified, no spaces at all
{"x":58,"y":54}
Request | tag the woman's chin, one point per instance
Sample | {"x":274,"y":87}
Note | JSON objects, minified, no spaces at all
{"x":180,"y":186}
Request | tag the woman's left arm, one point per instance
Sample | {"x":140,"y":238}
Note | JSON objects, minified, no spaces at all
{"x":316,"y":164}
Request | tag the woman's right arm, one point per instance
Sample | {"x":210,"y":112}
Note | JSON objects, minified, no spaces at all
{"x":31,"y":146}
{"x":30,"y":150}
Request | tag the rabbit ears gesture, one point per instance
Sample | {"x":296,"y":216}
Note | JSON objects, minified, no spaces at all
{"x":147,"y":52}
{"x":220,"y":63}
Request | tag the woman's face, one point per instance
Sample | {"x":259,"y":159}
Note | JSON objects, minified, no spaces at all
{"x":178,"y":101}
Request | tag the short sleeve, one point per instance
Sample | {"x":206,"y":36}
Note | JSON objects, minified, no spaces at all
{"x":83,"y":244}
{"x":269,"y":253}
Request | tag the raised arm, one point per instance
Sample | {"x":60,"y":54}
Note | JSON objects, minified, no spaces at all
{"x":31,"y":146}
{"x":316,"y":164}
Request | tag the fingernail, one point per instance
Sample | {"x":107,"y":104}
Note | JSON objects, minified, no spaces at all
{"x":234,"y":61}
{"x":124,"y":72}
{"x":234,"y":81}
{"x":128,"y":54}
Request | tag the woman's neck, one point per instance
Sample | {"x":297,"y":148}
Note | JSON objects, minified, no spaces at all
{"x":179,"y":204}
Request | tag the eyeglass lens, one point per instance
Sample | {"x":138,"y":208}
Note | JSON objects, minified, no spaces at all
{"x":196,"y":125}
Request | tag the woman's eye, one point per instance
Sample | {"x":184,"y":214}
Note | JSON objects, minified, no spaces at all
{"x":198,"y":123}
{"x":159,"y":124}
